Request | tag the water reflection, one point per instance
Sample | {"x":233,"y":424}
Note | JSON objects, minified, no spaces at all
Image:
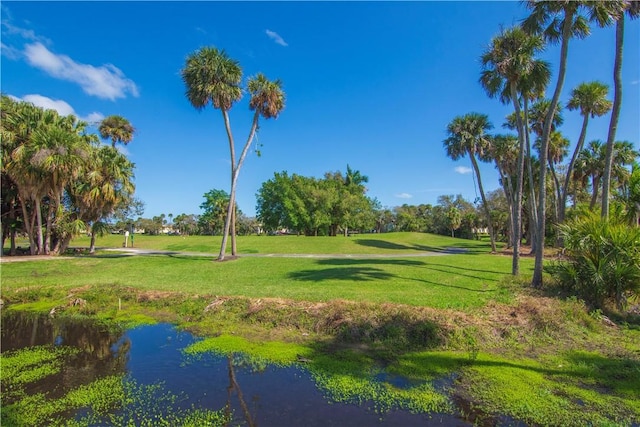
{"x":263,"y":395}
{"x":103,"y":350}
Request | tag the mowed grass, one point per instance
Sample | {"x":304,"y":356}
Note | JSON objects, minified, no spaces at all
{"x":397,"y":243}
{"x":447,"y":281}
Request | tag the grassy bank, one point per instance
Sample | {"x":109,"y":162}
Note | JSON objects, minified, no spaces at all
{"x":460,"y":318}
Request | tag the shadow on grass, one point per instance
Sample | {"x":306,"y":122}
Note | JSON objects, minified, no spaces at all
{"x":587,"y":370}
{"x":357,"y":270}
{"x":360,"y":270}
{"x":376,"y":261}
{"x":353,"y":274}
{"x":460,"y":247}
{"x":445,"y":285}
{"x":477,"y":270}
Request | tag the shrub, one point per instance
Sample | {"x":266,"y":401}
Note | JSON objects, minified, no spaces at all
{"x":603,"y":260}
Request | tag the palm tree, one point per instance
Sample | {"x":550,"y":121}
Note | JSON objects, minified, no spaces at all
{"x":267,"y":101}
{"x":558,"y":149}
{"x":504,"y":153}
{"x":589,"y":165}
{"x":468,"y":136}
{"x":591,"y":99}
{"x":117,"y":129}
{"x":509,"y":62}
{"x":632,"y":9}
{"x":211,"y":77}
{"x":558,"y":21}
{"x":534,"y":119}
{"x":106,"y":182}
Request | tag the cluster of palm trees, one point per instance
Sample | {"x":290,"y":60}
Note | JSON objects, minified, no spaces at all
{"x":57,"y":179}
{"x":512,"y":72}
{"x":212,"y":77}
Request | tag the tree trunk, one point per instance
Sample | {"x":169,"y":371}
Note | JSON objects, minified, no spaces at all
{"x":28,"y":225}
{"x":615,"y":114}
{"x":232,"y":151}
{"x":594,"y":192}
{"x":234,"y":181}
{"x":39,"y":225}
{"x":533,"y":217}
{"x":62,"y":244}
{"x":487,"y":211}
{"x":92,"y":245}
{"x":558,"y":191}
{"x":517,"y":208}
{"x":567,"y":178}
{"x":536,"y":282}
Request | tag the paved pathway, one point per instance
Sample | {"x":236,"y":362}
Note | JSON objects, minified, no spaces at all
{"x":140,"y":251}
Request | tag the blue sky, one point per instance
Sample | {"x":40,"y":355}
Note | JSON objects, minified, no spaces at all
{"x":369,"y":84}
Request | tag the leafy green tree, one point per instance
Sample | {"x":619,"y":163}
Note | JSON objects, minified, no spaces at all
{"x":455,"y":219}
{"x":467,"y":135}
{"x":186,"y":224}
{"x":315,"y":206}
{"x":215,"y":207}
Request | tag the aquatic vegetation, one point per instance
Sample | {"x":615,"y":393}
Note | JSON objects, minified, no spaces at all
{"x":573,"y":389}
{"x":113,"y":400}
{"x":277,"y":353}
{"x":21,"y":367}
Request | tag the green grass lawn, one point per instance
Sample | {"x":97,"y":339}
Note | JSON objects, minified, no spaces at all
{"x":400,"y":243}
{"x":448,"y":281}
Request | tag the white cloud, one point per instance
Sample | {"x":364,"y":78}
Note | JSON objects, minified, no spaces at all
{"x":62,"y":107}
{"x":94,"y":117}
{"x":635,"y":82}
{"x":10,"y":52}
{"x":9,"y":29}
{"x":463,"y":170}
{"x":404,"y":196}
{"x":105,"y":81}
{"x":276,"y":38}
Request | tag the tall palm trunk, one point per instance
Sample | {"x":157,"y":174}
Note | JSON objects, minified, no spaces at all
{"x":234,"y":182}
{"x":487,"y":211}
{"x":533,"y":217}
{"x":557,"y":192}
{"x":536,"y":282}
{"x":615,"y":114}
{"x":227,"y":220}
{"x":506,"y":185}
{"x":567,"y":178}
{"x":517,"y":208}
{"x":39,"y":225}
{"x":595,"y":182}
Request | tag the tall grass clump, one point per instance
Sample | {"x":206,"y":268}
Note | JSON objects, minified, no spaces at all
{"x":603,"y":260}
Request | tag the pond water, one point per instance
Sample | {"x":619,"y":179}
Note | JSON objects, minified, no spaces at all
{"x":271,"y":395}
